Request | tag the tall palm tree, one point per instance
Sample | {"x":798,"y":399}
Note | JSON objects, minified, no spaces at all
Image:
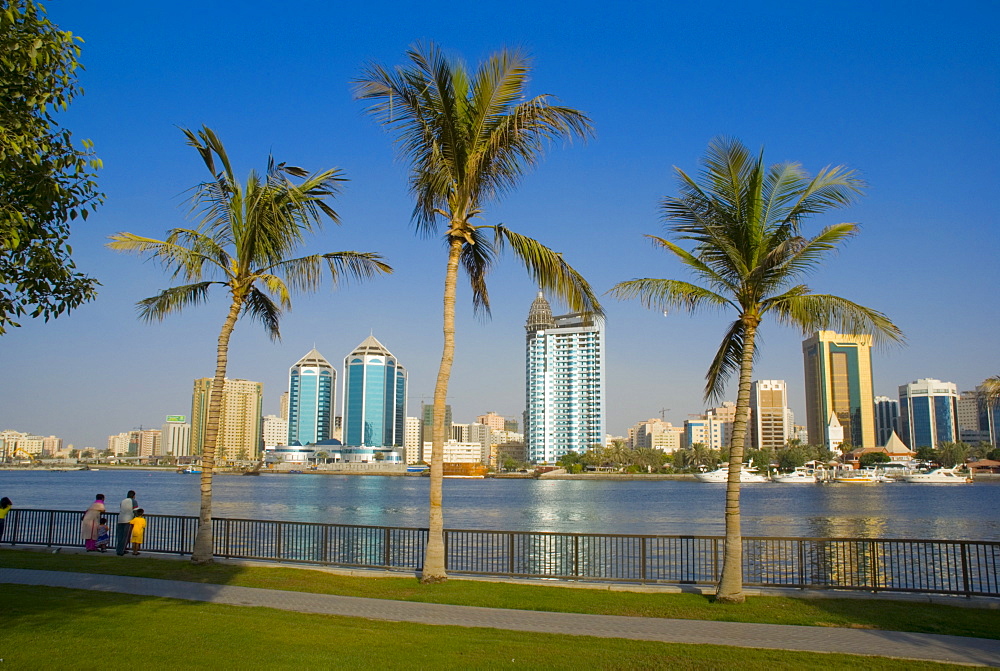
{"x":469,"y":137}
{"x":744,"y":219}
{"x":246,"y":234}
{"x":990,"y":389}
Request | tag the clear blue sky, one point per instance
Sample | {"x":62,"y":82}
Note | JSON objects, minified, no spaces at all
{"x":905,"y":93}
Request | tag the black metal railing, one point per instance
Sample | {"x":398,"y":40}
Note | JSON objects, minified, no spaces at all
{"x":968,"y":568}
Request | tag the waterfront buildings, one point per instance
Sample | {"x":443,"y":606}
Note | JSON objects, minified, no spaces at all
{"x":564,"y":385}
{"x":886,"y":419}
{"x":656,"y":434}
{"x":494,"y":421}
{"x":838,"y":379}
{"x":713,"y":429}
{"x":311,"y":395}
{"x":427,"y":414}
{"x":374,"y":396}
{"x":175,"y":435}
{"x":239,"y":421}
{"x":770,"y":419}
{"x":973,"y":418}
{"x":413,"y":440}
{"x":928,"y":413}
{"x":274,"y":431}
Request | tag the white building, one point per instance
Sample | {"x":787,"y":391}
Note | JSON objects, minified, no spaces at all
{"x":412,"y":442}
{"x":713,"y":429}
{"x":274,"y":431}
{"x":928,"y":413}
{"x":175,"y":437}
{"x":564,"y":386}
{"x":456,"y":452}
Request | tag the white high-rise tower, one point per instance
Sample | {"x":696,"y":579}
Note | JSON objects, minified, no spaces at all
{"x":564,"y":385}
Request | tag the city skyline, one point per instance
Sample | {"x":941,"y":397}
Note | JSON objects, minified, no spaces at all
{"x":907,"y":98}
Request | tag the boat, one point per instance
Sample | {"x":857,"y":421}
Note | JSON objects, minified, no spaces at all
{"x":190,"y":469}
{"x":800,"y":475}
{"x":861,"y":476}
{"x":938,"y":476}
{"x":722,"y":475}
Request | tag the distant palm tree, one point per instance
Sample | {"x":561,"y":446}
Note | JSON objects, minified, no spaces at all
{"x":743,"y":219}
{"x":469,"y":137}
{"x":246,"y":234}
{"x":990,"y":388}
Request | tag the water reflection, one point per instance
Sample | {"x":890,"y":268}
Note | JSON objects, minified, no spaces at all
{"x":892,"y":510}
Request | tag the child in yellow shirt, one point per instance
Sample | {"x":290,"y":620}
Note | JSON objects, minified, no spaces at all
{"x":138,"y":530}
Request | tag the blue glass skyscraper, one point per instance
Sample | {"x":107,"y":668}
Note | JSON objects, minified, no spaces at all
{"x":374,"y":396}
{"x":311,"y":388}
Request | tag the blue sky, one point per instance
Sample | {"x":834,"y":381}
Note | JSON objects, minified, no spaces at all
{"x":906,"y":94}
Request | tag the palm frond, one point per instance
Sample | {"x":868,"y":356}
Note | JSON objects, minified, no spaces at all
{"x":173,"y":300}
{"x":815,"y":312}
{"x":726,"y":362}
{"x":667,"y":295}
{"x":260,"y":307}
{"x":550,"y":271}
{"x":478,"y":256}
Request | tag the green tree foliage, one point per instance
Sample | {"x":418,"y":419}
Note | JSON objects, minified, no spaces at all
{"x":748,"y":256}
{"x":872,"y":458}
{"x":952,"y":454}
{"x":45,"y":181}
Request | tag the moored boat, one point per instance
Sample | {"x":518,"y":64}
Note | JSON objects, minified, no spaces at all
{"x":862,"y":476}
{"x":800,"y":475}
{"x":722,"y":475}
{"x":938,"y":476}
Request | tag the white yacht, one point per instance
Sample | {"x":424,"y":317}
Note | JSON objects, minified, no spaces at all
{"x":722,"y":475}
{"x":938,"y":476}
{"x":801,"y":475}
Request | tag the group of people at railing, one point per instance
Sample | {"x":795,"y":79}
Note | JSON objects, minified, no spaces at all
{"x":131,"y":526}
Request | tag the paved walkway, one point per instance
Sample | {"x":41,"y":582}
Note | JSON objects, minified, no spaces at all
{"x":932,"y":647}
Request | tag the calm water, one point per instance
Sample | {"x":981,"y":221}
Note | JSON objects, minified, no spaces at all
{"x":891,"y":510}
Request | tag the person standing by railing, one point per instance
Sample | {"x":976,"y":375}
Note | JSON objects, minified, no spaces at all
{"x":5,"y":506}
{"x":90,"y":523}
{"x":125,"y":515}
{"x":138,"y":530}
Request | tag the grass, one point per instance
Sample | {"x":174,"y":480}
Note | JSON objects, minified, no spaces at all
{"x":53,"y":628}
{"x":857,"y":613}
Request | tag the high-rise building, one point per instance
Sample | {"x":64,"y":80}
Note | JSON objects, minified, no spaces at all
{"x":412,"y":441}
{"x":427,"y":414}
{"x":374,"y":397}
{"x":928,"y":413}
{"x":492,"y":420}
{"x":176,"y":436}
{"x":838,"y":379}
{"x":989,"y":416}
{"x":656,"y":434}
{"x":770,"y":421}
{"x":239,"y":421}
{"x":283,"y":406}
{"x":274,"y":431}
{"x":973,"y":420}
{"x":713,"y":429}
{"x":312,"y":382}
{"x":564,"y":386}
{"x":886,"y":419}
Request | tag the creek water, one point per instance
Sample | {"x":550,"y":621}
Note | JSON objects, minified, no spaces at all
{"x":888,"y":510}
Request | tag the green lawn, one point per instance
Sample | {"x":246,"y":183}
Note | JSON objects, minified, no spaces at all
{"x":867,"y":613}
{"x":53,"y":628}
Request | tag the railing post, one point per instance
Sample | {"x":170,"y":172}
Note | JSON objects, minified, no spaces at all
{"x":446,"y":535}
{"x":715,"y":560}
{"x":965,"y":570}
{"x":52,"y":522}
{"x":510,"y":552}
{"x":642,"y":558}
{"x":874,"y":561}
{"x":576,"y":555}
{"x":325,"y":556}
{"x":802,"y":562}
{"x":278,"y":544}
{"x":386,"y":540}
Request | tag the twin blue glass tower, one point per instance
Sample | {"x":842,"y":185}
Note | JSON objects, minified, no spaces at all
{"x":374,"y":398}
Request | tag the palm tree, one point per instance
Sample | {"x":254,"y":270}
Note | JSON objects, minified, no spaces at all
{"x":469,"y":137}
{"x":246,"y":233}
{"x":743,"y":219}
{"x":990,"y":389}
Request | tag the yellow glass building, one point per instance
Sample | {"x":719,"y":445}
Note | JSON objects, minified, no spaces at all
{"x":838,"y":380}
{"x":240,"y":423}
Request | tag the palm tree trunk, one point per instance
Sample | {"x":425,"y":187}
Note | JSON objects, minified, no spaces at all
{"x":730,"y":589}
{"x":434,"y":558}
{"x":203,"y":543}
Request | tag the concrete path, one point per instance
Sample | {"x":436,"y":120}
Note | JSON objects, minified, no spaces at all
{"x":901,"y":645}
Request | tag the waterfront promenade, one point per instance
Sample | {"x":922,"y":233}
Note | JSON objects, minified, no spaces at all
{"x":899,"y":645}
